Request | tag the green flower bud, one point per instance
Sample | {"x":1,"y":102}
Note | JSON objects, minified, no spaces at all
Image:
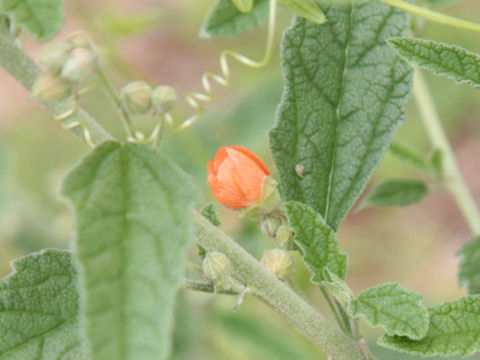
{"x":55,"y":54}
{"x":278,"y":262}
{"x":80,"y":39}
{"x":49,"y":86}
{"x":164,"y":99}
{"x":216,"y":266}
{"x":270,"y":224}
{"x":78,"y":65}
{"x":284,"y":237}
{"x":136,"y":97}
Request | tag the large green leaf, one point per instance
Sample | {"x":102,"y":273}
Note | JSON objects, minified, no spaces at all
{"x":40,"y":18}
{"x":398,"y":310}
{"x":132,"y":211}
{"x":454,"y":330}
{"x":344,"y":98}
{"x":225,"y":19}
{"x":39,"y":309}
{"x":317,"y":241}
{"x":448,"y":60}
{"x":400,"y":192}
{"x":469,"y":270}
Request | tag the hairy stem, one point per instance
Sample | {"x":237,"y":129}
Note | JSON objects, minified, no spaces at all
{"x":207,"y":287}
{"x":277,"y":294}
{"x":452,"y":176}
{"x":16,"y":62}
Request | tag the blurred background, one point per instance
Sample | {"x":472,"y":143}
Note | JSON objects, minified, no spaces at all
{"x":156,"y":41}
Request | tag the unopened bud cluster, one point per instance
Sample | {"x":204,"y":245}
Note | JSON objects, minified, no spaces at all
{"x":275,"y":226}
{"x":67,"y":63}
{"x":138,"y":97}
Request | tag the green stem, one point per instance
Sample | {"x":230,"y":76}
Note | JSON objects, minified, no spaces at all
{"x":18,"y":64}
{"x":452,"y":176}
{"x":115,"y":97}
{"x":206,"y":287}
{"x":433,"y":15}
{"x":277,"y":294}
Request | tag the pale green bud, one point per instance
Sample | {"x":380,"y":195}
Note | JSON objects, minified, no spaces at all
{"x":164,"y":99}
{"x":270,"y":224}
{"x":80,"y":39}
{"x":55,"y":54}
{"x":136,"y":97}
{"x":284,"y":237}
{"x":278,"y":262}
{"x":49,"y":86}
{"x":216,"y":266}
{"x":78,"y":65}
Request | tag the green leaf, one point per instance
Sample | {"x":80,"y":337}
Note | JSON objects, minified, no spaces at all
{"x":224,"y":19}
{"x":132,"y":210}
{"x":451,"y":61}
{"x":210,"y":212}
{"x":317,"y":241}
{"x":337,"y":287}
{"x":39,"y":309}
{"x":469,"y":270}
{"x":397,"y":193}
{"x":398,"y":310}
{"x":40,"y":18}
{"x":307,"y":9}
{"x":243,"y":5}
{"x":454,"y":330}
{"x":344,"y":97}
{"x":408,"y":155}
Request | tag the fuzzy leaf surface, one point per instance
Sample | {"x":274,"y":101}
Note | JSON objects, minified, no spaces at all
{"x":397,"y":193}
{"x":454,"y":330}
{"x":225,"y":19}
{"x":40,"y":18}
{"x":39,"y":309}
{"x":469,"y":271}
{"x":132,"y":209}
{"x":317,"y":241}
{"x":451,"y":61}
{"x":344,"y":98}
{"x":398,"y":310}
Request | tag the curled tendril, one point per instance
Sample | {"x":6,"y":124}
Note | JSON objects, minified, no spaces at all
{"x":194,"y":99}
{"x":75,"y":124}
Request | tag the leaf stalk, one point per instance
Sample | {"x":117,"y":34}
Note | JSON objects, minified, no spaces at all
{"x":453,"y":178}
{"x":433,"y":15}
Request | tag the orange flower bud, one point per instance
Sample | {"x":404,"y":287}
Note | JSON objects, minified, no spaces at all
{"x":236,"y":177}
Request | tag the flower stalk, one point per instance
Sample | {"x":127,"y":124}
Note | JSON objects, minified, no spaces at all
{"x":277,"y":294}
